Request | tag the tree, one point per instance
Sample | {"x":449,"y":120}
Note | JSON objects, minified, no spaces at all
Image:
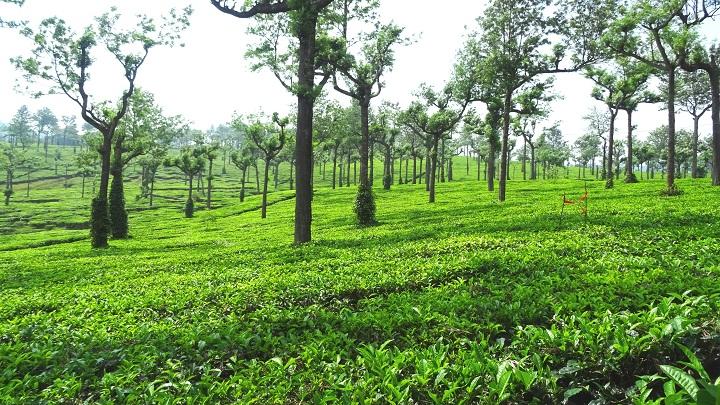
{"x":432,"y":118}
{"x":648,"y":32}
{"x":210,"y":153}
{"x":87,"y":163}
{"x":11,"y":159}
{"x":618,"y":87}
{"x":384,"y":134}
{"x":62,"y":59}
{"x":191,"y":164}
{"x":69,"y":130}
{"x":701,"y":57}
{"x":270,"y":145}
{"x":599,"y":125}
{"x":553,"y":150}
{"x":587,"y":147}
{"x":300,"y":18}
{"x":515,"y":39}
{"x":20,"y":130}
{"x":243,"y":159}
{"x":46,"y":123}
{"x":362,"y":77}
{"x":694,"y":97}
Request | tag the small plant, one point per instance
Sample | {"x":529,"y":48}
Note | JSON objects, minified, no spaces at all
{"x":631,"y":178}
{"x":671,"y":191}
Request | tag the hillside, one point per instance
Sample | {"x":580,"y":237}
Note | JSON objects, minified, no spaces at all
{"x":466,"y":300}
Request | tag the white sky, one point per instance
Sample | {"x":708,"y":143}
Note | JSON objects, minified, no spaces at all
{"x":208,"y":80}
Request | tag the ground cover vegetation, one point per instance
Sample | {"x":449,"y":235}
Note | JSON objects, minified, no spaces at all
{"x":143,"y":260}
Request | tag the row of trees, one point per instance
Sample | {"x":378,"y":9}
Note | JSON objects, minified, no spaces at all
{"x":504,"y":69}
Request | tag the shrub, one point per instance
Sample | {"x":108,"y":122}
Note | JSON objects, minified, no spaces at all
{"x":365,"y":206}
{"x":189,"y":208}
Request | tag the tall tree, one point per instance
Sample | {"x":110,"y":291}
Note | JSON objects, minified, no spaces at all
{"x":433,"y":118}
{"x":210,"y":153}
{"x":695,"y":98}
{"x":11,"y":159}
{"x":62,"y":59}
{"x":648,"y":32}
{"x":46,"y":124}
{"x":617,"y":86}
{"x":360,"y":77}
{"x":243,"y":160}
{"x":525,"y":39}
{"x":191,"y":164}
{"x":20,"y":129}
{"x":270,"y":144}
{"x":299,"y":19}
{"x":703,"y":57}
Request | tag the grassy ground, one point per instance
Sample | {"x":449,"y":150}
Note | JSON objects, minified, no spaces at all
{"x":466,"y":300}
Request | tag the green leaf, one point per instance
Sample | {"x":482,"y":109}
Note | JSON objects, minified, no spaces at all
{"x":685,"y":380}
{"x":572,"y":392}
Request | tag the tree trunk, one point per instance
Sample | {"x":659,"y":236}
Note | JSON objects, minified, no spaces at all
{"x":629,"y":175}
{"x":209,"y":184}
{"x":364,"y":142}
{"x":504,"y":147}
{"x":694,"y":157}
{"x":242,"y":185}
{"x":152,"y":187}
{"x":609,"y":180}
{"x":334,"y":172}
{"x":671,"y":131}
{"x":715,"y":116}
{"x":371,"y":175}
{"x":306,"y":84}
{"x":433,"y":167}
{"x":414,"y":180}
{"x":265,"y":189}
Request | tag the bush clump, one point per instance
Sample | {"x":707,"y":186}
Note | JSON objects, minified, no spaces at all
{"x":364,"y":207}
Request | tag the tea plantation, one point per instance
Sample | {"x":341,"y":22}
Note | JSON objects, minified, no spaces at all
{"x":462,"y":301}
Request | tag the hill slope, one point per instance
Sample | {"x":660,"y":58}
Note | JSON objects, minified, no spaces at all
{"x":464,"y":300}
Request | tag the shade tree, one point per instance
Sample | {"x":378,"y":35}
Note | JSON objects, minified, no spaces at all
{"x":619,"y":86}
{"x":61,"y":62}
{"x":521,"y":41}
{"x":294,"y":64}
{"x":269,"y":141}
{"x":191,"y":164}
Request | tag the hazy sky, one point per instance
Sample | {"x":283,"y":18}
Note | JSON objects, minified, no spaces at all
{"x":208,"y":79}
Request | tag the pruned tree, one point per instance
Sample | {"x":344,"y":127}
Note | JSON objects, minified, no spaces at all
{"x":649,"y":32}
{"x":360,"y":77}
{"x":280,"y":19}
{"x":524,"y":40}
{"x":11,"y":159}
{"x":20,"y":128}
{"x":191,"y":164}
{"x":694,"y":97}
{"x":270,"y":144}
{"x":87,"y":163}
{"x":62,"y":60}
{"x":433,"y":118}
{"x":619,"y":87}
{"x":243,"y":160}
{"x":210,"y":153}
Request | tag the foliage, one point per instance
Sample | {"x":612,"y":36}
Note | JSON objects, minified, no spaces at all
{"x":364,"y":207}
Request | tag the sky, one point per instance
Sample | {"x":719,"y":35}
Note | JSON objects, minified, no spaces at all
{"x":208,"y":80}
